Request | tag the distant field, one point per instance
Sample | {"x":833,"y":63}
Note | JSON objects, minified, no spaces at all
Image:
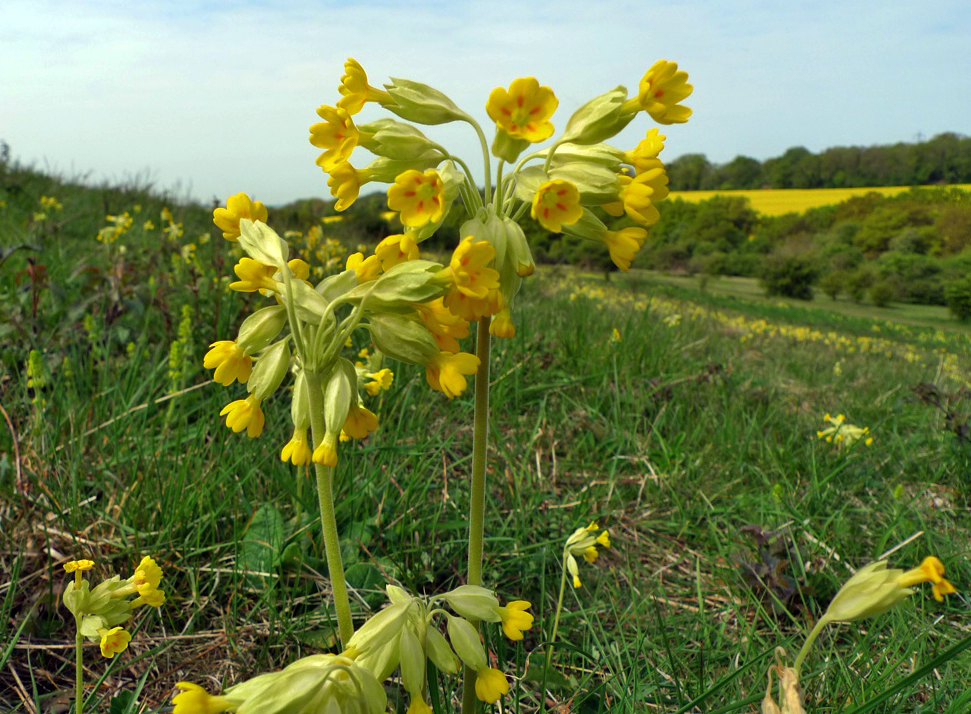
{"x":776,"y":202}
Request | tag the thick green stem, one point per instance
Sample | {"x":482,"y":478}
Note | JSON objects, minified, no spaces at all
{"x":480,"y":435}
{"x":78,"y":669}
{"x":328,"y":520}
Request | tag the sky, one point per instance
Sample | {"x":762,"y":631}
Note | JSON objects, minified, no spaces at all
{"x":207,"y":99}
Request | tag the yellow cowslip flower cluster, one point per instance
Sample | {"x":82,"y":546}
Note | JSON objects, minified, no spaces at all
{"x":583,"y":542}
{"x":397,"y":298}
{"x":843,"y":434}
{"x":116,"y":228}
{"x":101,"y":611}
{"x":560,"y":185}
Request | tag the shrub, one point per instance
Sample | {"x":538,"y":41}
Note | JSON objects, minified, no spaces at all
{"x":834,"y":282}
{"x":789,"y":276}
{"x":882,"y":292}
{"x":958,"y":296}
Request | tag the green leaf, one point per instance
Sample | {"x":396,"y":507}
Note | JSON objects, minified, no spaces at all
{"x":261,"y":546}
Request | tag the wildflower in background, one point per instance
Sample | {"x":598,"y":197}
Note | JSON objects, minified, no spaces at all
{"x":660,"y":90}
{"x":615,"y":336}
{"x":843,"y":434}
{"x":227,"y":219}
{"x":584,"y":543}
{"x":556,"y":203}
{"x":523,"y":111}
{"x":380,"y":381}
{"x":418,"y":197}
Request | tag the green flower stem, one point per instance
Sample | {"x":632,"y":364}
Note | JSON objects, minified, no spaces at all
{"x":480,"y":434}
{"x":559,"y":609}
{"x":328,"y":521}
{"x":78,"y":668}
{"x":809,"y":642}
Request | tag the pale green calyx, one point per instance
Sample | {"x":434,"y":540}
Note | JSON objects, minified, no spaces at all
{"x":465,"y":640}
{"x":261,"y":328}
{"x":420,"y":103}
{"x":262,"y":244}
{"x":599,"y":119}
{"x":270,"y":369}
{"x":402,"y":338}
{"x":474,"y":602}
{"x":440,"y":653}
{"x":394,"y":139}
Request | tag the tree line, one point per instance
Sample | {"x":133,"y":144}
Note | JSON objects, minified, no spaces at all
{"x":945,"y":159}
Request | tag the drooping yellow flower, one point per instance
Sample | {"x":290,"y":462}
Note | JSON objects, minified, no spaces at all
{"x":147,"y":576}
{"x":638,"y":195}
{"x":245,"y":414}
{"x":523,"y":111}
{"x":299,"y":268}
{"x":396,"y":249}
{"x":155,"y":598}
{"x":345,"y":184}
{"x":490,"y":685}
{"x":556,"y":204}
{"x":360,"y":422}
{"x":337,"y":134}
{"x":501,"y":325}
{"x":326,"y":452}
{"x":446,"y":327}
{"x":515,"y":619}
{"x":113,"y":641}
{"x":645,"y":156}
{"x":471,"y":308}
{"x":355,"y":90}
{"x":843,"y":434}
{"x":582,"y":542}
{"x":624,"y":244}
{"x":229,"y":361}
{"x":297,"y":450}
{"x":468,"y":269}
{"x":418,"y":197}
{"x":931,"y":570}
{"x":253,"y":276}
{"x":380,"y":381}
{"x":193,"y":699}
{"x":660,"y":90}
{"x":237,"y":207}
{"x":446,"y":372}
{"x":367,"y":269}
{"x":418,"y":705}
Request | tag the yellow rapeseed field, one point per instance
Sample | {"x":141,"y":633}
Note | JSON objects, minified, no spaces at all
{"x":776,"y":202}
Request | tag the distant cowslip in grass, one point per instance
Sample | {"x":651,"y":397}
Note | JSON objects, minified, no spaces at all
{"x":779,"y":201}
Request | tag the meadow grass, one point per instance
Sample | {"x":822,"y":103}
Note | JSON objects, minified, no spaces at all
{"x":692,"y":438}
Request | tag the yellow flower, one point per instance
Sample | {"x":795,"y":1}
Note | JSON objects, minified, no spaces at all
{"x":396,"y":249}
{"x":244,"y":414}
{"x":300,"y":269}
{"x":515,"y":619}
{"x":419,"y":198}
{"x":556,"y":204}
{"x":297,"y":450}
{"x":113,"y":641}
{"x":644,"y":156}
{"x":931,"y":570}
{"x":582,"y":542}
{"x":590,"y":554}
{"x":418,"y":705}
{"x":253,"y":276}
{"x":237,"y":207}
{"x":193,"y":699}
{"x":638,"y":195}
{"x":446,"y":372}
{"x":229,"y":361}
{"x":524,"y":110}
{"x":660,"y":90}
{"x":367,"y":269}
{"x":337,"y":134}
{"x":502,"y":326}
{"x":147,"y":576}
{"x":446,"y":327}
{"x":490,"y":685}
{"x":155,"y":598}
{"x":345,"y":184}
{"x":355,"y":90}
{"x":326,"y":452}
{"x":468,"y":269}
{"x":78,"y":565}
{"x":624,"y":244}
{"x":380,"y":381}
{"x":843,"y":434}
{"x":360,"y":422}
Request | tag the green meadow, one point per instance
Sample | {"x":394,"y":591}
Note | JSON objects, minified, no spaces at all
{"x":684,"y":420}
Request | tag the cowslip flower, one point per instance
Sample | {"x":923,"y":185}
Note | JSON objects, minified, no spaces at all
{"x":468,"y":270}
{"x":229,"y":361}
{"x":326,"y":452}
{"x":624,"y":245}
{"x":490,"y":685}
{"x":193,"y":699}
{"x":396,"y":249}
{"x":843,"y":434}
{"x":345,"y":184}
{"x":556,"y":204}
{"x":583,"y":542}
{"x":113,"y":641}
{"x":237,"y":207}
{"x":297,"y":450}
{"x":523,"y":111}
{"x":337,"y":134}
{"x":379,"y":381}
{"x":659,"y":92}
{"x":253,"y":276}
{"x":644,"y":156}
{"x":501,"y":325}
{"x":355,"y":90}
{"x":637,"y":196}
{"x":446,"y":372}
{"x":446,"y":327}
{"x":515,"y":619}
{"x":360,"y":422}
{"x":147,"y":577}
{"x":418,"y":197}
{"x":245,"y":414}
